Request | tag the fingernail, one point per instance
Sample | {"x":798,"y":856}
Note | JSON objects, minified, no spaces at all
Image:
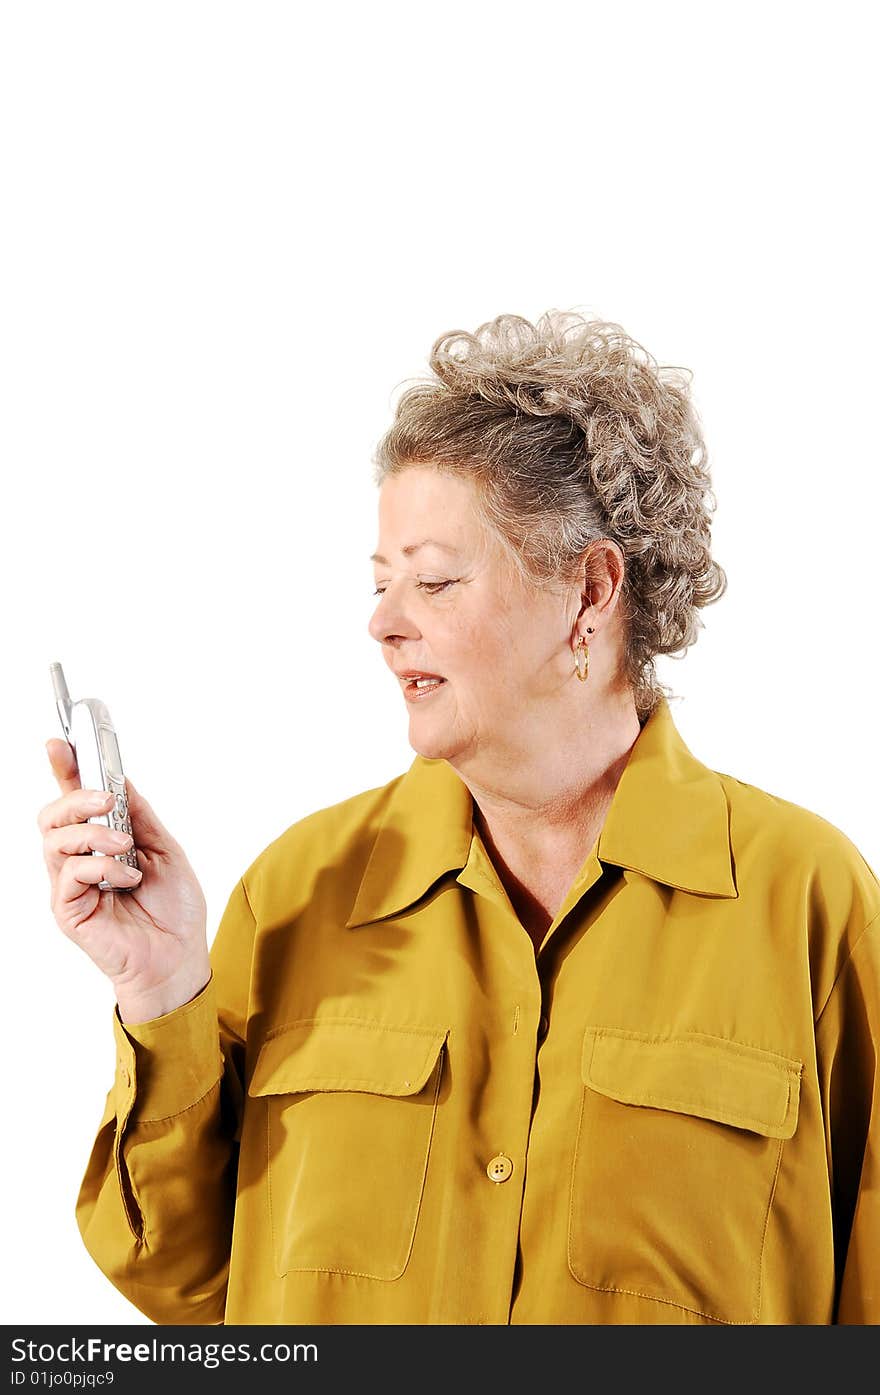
{"x":133,"y":872}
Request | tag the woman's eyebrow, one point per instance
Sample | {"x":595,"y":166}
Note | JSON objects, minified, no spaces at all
{"x":414,"y":547}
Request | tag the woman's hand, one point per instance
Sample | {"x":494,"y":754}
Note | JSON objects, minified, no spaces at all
{"x":151,"y":942}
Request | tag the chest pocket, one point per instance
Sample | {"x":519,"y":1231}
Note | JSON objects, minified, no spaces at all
{"x":678,"y":1148}
{"x":350,"y":1106}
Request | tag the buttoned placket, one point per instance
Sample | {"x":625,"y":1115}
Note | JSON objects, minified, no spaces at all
{"x":527,"y":1026}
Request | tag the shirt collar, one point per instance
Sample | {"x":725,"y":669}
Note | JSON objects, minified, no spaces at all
{"x":668,"y":820}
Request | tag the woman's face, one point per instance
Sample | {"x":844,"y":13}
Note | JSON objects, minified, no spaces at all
{"x":448,"y":605}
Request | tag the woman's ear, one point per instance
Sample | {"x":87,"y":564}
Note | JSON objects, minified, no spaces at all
{"x":602,"y":573}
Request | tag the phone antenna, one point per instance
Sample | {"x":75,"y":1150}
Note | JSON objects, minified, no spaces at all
{"x":62,"y":697}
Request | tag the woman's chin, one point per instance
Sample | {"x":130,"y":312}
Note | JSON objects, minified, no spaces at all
{"x":437,"y":744}
{"x":431,"y":750}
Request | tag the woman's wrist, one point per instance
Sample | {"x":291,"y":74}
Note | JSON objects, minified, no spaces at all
{"x":135,"y":1008}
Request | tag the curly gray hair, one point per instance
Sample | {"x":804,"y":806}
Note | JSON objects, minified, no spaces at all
{"x":571,"y":432}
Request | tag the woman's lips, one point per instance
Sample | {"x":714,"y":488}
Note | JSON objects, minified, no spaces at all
{"x":413,"y":693}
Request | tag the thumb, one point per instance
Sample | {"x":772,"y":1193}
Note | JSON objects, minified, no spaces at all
{"x":62,"y":759}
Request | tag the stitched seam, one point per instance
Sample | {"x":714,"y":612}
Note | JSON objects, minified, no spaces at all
{"x":791,"y":1070}
{"x":360,"y":1021}
{"x":577,"y":1144}
{"x":654,"y":1298}
{"x":276,"y":1249}
{"x":734,"y":1047}
{"x":845,"y":965}
{"x":178,"y":1113}
{"x":247,"y":898}
{"x":158,"y":1024}
{"x":695,"y":1103}
{"x":766,"y":1226}
{"x":483,"y":876}
{"x":348,"y":1082}
{"x":342,"y":1083}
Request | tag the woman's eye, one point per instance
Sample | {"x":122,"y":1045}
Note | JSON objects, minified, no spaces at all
{"x":431,"y":586}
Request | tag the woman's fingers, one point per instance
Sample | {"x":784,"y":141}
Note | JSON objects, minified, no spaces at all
{"x":74,"y":807}
{"x":59,"y":843}
{"x":79,"y":874}
{"x":77,"y":805}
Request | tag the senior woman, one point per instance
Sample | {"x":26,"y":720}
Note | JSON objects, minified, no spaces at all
{"x":558,"y":1026}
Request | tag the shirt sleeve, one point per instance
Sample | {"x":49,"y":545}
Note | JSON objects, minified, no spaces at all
{"x":156,"y":1205}
{"x":847,"y":1041}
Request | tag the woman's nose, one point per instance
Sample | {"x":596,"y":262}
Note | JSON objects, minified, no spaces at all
{"x":390,"y":620}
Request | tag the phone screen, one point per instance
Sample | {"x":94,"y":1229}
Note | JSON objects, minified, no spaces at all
{"x":110,"y":750}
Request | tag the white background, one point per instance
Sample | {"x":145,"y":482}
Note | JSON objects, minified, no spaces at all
{"x":230,"y":233}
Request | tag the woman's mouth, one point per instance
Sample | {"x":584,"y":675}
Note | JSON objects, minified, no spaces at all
{"x":420,"y":689}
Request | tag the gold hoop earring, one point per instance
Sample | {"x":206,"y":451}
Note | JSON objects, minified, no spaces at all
{"x":582,"y":660}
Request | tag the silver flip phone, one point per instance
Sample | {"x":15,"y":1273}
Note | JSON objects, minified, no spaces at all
{"x":87,"y":726}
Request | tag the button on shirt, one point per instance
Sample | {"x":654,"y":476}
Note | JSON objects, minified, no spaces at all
{"x":500,"y":1168}
{"x":387,"y":1107}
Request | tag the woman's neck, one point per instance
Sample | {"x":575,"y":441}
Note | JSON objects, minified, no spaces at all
{"x":547,"y":805}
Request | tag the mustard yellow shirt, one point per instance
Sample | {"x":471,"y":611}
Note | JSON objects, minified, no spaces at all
{"x":385,"y":1107}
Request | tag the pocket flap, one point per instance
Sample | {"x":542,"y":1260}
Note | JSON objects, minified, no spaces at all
{"x":696,"y":1074}
{"x":344,"y":1053}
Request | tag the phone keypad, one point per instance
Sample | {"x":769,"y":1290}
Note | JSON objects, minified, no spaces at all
{"x":122,"y":824}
